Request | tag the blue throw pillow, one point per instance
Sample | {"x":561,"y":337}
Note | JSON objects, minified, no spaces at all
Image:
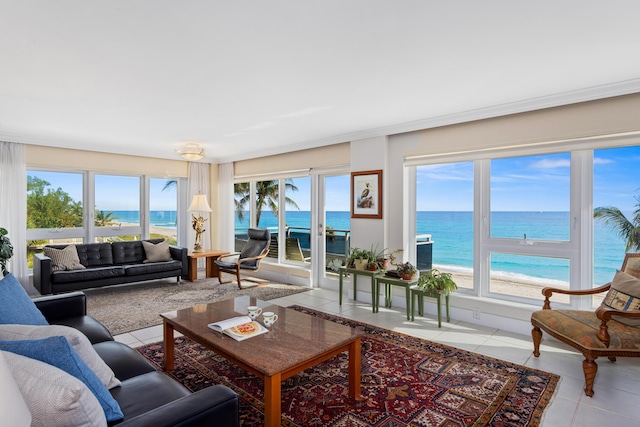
{"x":15,"y":305}
{"x":57,"y":351}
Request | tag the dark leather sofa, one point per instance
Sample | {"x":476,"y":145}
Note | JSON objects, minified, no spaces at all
{"x":107,"y":264}
{"x":147,"y":397}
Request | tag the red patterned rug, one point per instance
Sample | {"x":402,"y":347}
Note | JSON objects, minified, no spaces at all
{"x":406,"y":381}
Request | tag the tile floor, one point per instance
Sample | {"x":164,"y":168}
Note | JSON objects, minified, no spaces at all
{"x":616,"y":386}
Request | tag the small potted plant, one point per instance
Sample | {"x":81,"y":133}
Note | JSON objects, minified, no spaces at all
{"x":358,"y":259}
{"x":435,"y":280}
{"x":406,"y":270}
{"x":6,"y":250}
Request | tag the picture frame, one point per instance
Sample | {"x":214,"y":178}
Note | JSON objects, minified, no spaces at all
{"x":366,"y":194}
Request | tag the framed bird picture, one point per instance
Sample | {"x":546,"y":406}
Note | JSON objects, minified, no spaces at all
{"x":366,"y":194}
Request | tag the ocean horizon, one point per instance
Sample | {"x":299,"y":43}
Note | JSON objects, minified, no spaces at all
{"x":453,"y":249}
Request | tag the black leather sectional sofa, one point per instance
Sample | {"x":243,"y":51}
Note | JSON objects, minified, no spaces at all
{"x":147,"y":397}
{"x":107,"y":264}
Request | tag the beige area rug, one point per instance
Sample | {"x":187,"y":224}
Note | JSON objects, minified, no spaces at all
{"x":129,"y":307}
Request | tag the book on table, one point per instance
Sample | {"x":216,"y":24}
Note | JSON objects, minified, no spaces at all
{"x":239,"y":328}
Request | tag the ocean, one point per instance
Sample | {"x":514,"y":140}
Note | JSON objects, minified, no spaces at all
{"x":453,"y":247}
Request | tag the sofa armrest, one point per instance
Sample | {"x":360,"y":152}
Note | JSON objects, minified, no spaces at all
{"x":62,"y":306}
{"x":42,"y":269}
{"x":180,"y":254}
{"x":213,"y":406}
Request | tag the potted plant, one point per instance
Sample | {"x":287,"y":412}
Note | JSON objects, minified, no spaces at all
{"x":406,"y":270}
{"x":6,"y":250}
{"x":435,"y":280}
{"x":358,"y":258}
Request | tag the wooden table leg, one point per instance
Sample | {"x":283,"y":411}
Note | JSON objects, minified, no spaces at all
{"x":272,"y":400}
{"x":212,"y":268}
{"x":169,"y":355}
{"x":354,"y":368}
{"x":192,"y":269}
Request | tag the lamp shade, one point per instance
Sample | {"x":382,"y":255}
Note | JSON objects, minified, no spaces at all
{"x":199,"y":204}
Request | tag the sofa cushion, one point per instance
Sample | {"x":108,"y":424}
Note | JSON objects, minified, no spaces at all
{"x":77,"y":339}
{"x":156,"y":252}
{"x":13,"y":408}
{"x":150,"y":268}
{"x":63,"y":259}
{"x":92,"y":254}
{"x":130,"y":252}
{"x":15,"y":304}
{"x":125,"y":361}
{"x":54,"y":398}
{"x":624,"y":295}
{"x":57,"y":351}
{"x":87,"y":275}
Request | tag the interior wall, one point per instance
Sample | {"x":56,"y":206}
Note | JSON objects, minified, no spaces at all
{"x":39,"y":156}
{"x":608,"y":116}
{"x":331,"y":155}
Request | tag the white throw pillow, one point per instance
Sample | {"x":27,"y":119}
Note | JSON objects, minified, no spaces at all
{"x":13,"y":408}
{"x":157,"y":252}
{"x":63,"y":259}
{"x":76,"y":339}
{"x":54,"y":398}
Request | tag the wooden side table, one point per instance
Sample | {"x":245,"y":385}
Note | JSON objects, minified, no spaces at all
{"x":212,"y":268}
{"x":420,"y":294}
{"x":375,"y":295}
{"x":389,"y":282}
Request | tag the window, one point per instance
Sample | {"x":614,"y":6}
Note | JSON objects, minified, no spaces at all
{"x":298,"y":219}
{"x":242,"y":200}
{"x":117,"y":208}
{"x":530,"y":196}
{"x":54,"y":210}
{"x":163,"y":210}
{"x":78,"y":207}
{"x":444,"y":219}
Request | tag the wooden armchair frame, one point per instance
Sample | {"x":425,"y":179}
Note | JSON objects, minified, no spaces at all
{"x":238,"y":267}
{"x":600,"y":322}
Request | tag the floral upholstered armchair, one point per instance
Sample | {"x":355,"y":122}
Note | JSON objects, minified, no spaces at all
{"x":612,"y":330}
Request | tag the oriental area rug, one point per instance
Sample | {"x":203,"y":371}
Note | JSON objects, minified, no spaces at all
{"x":406,"y":381}
{"x":129,"y":307}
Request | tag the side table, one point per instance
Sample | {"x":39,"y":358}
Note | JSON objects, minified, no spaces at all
{"x":420,"y":294}
{"x":375,"y":296}
{"x":212,"y":269}
{"x":389,"y":282}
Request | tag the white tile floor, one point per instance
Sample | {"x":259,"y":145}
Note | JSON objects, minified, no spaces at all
{"x":616,"y":386}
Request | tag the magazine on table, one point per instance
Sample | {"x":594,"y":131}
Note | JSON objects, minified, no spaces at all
{"x":239,"y":328}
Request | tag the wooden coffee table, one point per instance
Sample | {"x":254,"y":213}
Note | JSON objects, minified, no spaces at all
{"x":212,"y":269}
{"x":297,"y":341}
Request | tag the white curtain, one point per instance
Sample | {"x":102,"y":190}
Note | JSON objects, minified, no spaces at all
{"x":13,"y":207}
{"x":226,"y":208}
{"x":198,"y":183}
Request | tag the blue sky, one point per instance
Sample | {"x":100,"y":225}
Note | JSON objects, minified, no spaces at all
{"x":533,"y":183}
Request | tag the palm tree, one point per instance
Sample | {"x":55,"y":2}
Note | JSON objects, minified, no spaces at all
{"x":628,"y":230}
{"x":266,"y":197}
{"x":103,"y":219}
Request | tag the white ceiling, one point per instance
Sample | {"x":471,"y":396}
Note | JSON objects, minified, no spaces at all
{"x":251,"y":78}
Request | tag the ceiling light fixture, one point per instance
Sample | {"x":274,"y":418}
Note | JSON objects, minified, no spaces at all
{"x":191,"y":152}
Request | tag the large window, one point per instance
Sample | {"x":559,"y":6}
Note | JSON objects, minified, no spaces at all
{"x":260,"y":204}
{"x":78,"y":207}
{"x":528,"y":221}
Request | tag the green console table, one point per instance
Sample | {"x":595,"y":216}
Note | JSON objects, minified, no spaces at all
{"x":419,"y":294}
{"x":375,"y":296}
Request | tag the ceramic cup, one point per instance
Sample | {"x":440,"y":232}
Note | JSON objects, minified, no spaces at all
{"x":269,"y":318}
{"x":254,"y":311}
